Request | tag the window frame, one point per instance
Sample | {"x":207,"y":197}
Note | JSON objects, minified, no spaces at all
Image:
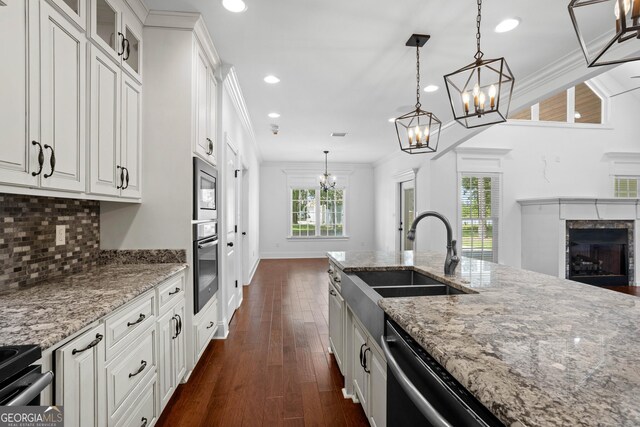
{"x":627,"y":177}
{"x":496,"y":243}
{"x":571,"y":110}
{"x":318,"y":214}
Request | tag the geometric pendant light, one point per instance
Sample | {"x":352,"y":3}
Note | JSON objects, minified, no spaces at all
{"x":480,"y":93}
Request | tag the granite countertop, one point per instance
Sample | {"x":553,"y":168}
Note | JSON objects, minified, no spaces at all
{"x":536,"y":350}
{"x":48,"y":312}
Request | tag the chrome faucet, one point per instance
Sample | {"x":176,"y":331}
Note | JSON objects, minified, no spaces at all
{"x":452,"y":260}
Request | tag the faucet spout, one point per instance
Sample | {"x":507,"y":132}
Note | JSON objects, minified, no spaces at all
{"x":452,"y":259}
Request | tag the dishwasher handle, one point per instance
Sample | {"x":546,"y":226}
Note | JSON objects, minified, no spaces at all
{"x":33,"y":391}
{"x":418,"y":399}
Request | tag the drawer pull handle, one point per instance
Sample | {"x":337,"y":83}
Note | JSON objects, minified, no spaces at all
{"x":140,"y":319}
{"x":330,"y":271}
{"x":143,"y":364}
{"x":179,"y":319}
{"x":144,"y":422}
{"x":90,"y":345}
{"x":337,"y":279}
{"x":210,"y":325}
{"x":174,"y":292}
{"x":332,"y":292}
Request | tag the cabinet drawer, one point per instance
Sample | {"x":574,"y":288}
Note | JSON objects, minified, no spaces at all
{"x":145,"y":410}
{"x":137,"y":362}
{"x":207,"y":326}
{"x":334,"y":276}
{"x":126,"y":324}
{"x":169,"y":292}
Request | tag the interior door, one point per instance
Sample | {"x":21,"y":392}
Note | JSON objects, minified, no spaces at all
{"x":231,"y":278}
{"x":63,"y":100}
{"x":407,"y":213}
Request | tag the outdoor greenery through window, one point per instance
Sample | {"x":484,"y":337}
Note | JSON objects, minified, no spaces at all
{"x":317,"y":213}
{"x":479,"y":210}
{"x":626,"y":186}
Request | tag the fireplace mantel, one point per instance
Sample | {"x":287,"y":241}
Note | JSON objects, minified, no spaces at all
{"x":587,"y":208}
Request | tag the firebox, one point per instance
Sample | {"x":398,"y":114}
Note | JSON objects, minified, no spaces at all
{"x":599,"y":256}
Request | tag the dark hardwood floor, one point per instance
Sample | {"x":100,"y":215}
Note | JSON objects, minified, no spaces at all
{"x":274,"y":368}
{"x":631,"y":290}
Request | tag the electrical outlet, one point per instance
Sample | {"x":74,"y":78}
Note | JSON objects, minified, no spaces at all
{"x":60,"y":234}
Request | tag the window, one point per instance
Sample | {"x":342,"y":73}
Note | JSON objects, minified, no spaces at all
{"x":317,"y":213}
{"x":479,"y":216}
{"x":626,"y":186}
{"x":579,"y":104}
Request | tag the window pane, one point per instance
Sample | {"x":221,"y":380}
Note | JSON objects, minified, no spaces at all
{"x":554,"y":109}
{"x":521,"y":115}
{"x":588,"y":105}
{"x":302,"y":212}
{"x":477,"y":220}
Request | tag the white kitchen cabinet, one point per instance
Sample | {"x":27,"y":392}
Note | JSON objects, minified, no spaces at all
{"x":131,"y":151}
{"x":205,"y":103}
{"x":18,"y":157}
{"x":171,"y":358}
{"x":74,"y":10}
{"x":80,"y":379}
{"x":360,"y":377}
{"x":336,"y":325}
{"x":205,"y":326}
{"x":377,"y":367}
{"x":118,"y":32}
{"x":62,"y":101}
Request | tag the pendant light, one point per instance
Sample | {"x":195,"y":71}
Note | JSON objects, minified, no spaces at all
{"x":418,"y":131}
{"x":612,"y":37}
{"x":480,"y":93}
{"x":327,"y":182}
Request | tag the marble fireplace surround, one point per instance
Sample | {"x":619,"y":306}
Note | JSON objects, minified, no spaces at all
{"x":546,"y":221}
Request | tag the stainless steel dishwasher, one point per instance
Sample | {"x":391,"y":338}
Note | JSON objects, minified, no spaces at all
{"x":422,"y":393}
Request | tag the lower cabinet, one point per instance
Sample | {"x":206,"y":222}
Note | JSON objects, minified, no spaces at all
{"x":378,"y":388}
{"x":204,"y":327}
{"x":360,"y":377}
{"x":172,"y":360}
{"x":336,"y":325}
{"x":80,"y":379}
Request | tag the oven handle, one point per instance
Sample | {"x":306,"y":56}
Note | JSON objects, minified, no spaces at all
{"x":32,"y":391}
{"x":207,"y":245}
{"x":418,"y":399}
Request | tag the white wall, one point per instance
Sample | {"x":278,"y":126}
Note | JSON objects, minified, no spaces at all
{"x":274,"y":211}
{"x":544,"y":161}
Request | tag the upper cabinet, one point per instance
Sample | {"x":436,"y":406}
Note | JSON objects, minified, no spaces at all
{"x":205,"y":98}
{"x":116,"y":30}
{"x":74,"y":121}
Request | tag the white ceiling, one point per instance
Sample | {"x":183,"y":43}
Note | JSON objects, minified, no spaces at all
{"x":344,"y":67}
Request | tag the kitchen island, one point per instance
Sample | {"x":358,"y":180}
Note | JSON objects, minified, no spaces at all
{"x":535,"y":350}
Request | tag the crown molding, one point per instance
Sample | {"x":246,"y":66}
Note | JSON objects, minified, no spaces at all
{"x":306,"y":166}
{"x":232,"y":84}
{"x":481,"y":151}
{"x":186,"y":21}
{"x":139,"y":8}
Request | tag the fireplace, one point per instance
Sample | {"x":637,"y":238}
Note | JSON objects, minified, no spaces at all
{"x":600,"y":252}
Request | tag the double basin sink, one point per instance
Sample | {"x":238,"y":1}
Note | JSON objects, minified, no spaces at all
{"x":363,"y":289}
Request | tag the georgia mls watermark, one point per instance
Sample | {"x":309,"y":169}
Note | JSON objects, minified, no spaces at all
{"x":31,"y":416}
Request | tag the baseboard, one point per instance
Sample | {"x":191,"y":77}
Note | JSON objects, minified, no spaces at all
{"x":253,"y":271}
{"x":346,"y":395}
{"x":293,"y":255}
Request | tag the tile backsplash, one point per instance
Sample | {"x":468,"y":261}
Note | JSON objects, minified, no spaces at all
{"x":28,"y":251}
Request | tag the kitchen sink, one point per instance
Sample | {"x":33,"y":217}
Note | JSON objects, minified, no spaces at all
{"x":405,"y":283}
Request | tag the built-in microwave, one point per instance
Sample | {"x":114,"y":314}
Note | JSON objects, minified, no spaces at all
{"x":205,"y":191}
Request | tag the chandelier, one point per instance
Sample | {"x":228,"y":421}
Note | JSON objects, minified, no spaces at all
{"x":418,"y":131}
{"x":480,"y":93}
{"x":327,"y":182}
{"x":613,"y":37}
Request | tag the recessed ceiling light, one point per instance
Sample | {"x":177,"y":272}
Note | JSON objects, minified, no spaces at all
{"x":507,"y":25}
{"x":234,"y":6}
{"x":271,"y":79}
{"x":274,"y":115}
{"x":431,"y":88}
{"x":339,"y":134}
{"x":577,"y":115}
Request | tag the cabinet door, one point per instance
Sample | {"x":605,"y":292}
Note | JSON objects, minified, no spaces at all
{"x":131,"y":153}
{"x":167,"y":327}
{"x":179,"y":345}
{"x":360,"y":377}
{"x":132,"y":55}
{"x":105,"y":124}
{"x":106,"y":25}
{"x":202,"y":99}
{"x":62,"y":86}
{"x":75,"y":11}
{"x":80,"y":380}
{"x":212,"y":112}
{"x":336,"y":325}
{"x":18,"y":157}
{"x":378,"y":388}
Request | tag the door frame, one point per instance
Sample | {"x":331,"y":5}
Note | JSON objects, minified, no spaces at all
{"x":226,"y":280}
{"x":398,"y":179}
